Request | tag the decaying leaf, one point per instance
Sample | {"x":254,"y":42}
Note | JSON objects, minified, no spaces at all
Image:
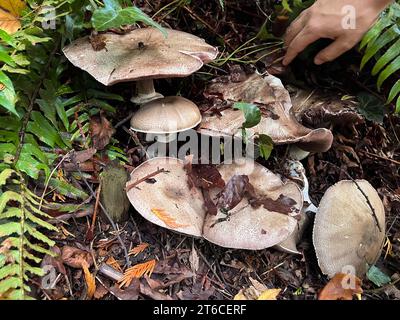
{"x":90,"y":280}
{"x":100,"y":292}
{"x":270,"y":294}
{"x":56,"y":261}
{"x":137,"y":271}
{"x":283,"y":204}
{"x":235,"y":190}
{"x":168,"y":220}
{"x":10,"y":11}
{"x":341,"y":287}
{"x":139,"y":248}
{"x":257,"y":291}
{"x":75,"y":257}
{"x":204,"y":176}
{"x":101,"y":131}
{"x":98,"y":41}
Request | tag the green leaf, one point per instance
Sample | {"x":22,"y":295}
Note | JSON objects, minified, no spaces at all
{"x":371,"y":107}
{"x":398,"y":105}
{"x":387,"y":37}
{"x":252,"y":113}
{"x":114,"y":16}
{"x":394,"y":91}
{"x":4,"y":175}
{"x":10,"y":283}
{"x":389,"y":70}
{"x":7,"y":94}
{"x":9,"y":270}
{"x":375,"y":31}
{"x":389,"y":55}
{"x":39,"y":236}
{"x":266,"y":145}
{"x":9,"y":196}
{"x":10,"y":228}
{"x":376,"y":276}
{"x":67,"y":189}
{"x":41,"y":127}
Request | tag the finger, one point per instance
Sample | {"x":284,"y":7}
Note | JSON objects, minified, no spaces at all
{"x":334,"y":50}
{"x":302,"y":41}
{"x":295,"y":28}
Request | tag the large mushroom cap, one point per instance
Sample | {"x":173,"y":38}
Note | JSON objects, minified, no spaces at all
{"x":169,"y":202}
{"x":141,"y":54}
{"x":254,"y":228}
{"x":345,"y":230}
{"x":277,"y":121}
{"x":166,"y":115}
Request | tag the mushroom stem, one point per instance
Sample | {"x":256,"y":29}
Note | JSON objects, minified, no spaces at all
{"x":145,"y":92}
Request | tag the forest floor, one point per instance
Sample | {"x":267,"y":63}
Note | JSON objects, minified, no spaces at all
{"x":188,"y":268}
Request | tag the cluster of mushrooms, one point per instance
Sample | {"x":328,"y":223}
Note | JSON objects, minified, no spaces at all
{"x":349,"y":224}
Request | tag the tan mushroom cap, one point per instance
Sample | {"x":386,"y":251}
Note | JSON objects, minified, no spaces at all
{"x":183,"y":209}
{"x":141,"y":54}
{"x":250,"y":228}
{"x":345,"y":231}
{"x":171,"y":194}
{"x":280,"y":123}
{"x":166,"y":115}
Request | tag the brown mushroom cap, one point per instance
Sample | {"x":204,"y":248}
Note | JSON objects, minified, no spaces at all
{"x":248,"y":227}
{"x":278,"y":122}
{"x":166,"y":115}
{"x":141,"y":54}
{"x":183,"y":208}
{"x":345,"y":231}
{"x":170,"y":193}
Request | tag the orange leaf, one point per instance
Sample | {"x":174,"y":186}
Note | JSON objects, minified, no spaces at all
{"x":10,"y":11}
{"x":137,"y":271}
{"x":90,"y":280}
{"x":113,"y":264}
{"x":164,"y":217}
{"x":138,"y":249}
{"x":341,"y":287}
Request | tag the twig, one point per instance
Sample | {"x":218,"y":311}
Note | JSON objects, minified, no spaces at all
{"x":79,"y":124}
{"x":128,"y":263}
{"x":96,"y":206}
{"x":151,"y":175}
{"x":380,"y":157}
{"x":361,"y":190}
{"x":136,"y":140}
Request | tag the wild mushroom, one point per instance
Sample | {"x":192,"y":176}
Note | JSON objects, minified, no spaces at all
{"x":277,"y":121}
{"x":143,"y":55}
{"x":161,"y":194}
{"x":296,"y":172}
{"x":349,"y":228}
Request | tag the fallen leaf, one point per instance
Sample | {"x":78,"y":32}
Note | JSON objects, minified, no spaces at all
{"x":100,"y":292}
{"x":97,"y":41}
{"x":154,"y":294}
{"x":204,"y":176}
{"x":101,"y":131}
{"x":283,"y":204}
{"x":75,"y":257}
{"x":137,"y":271}
{"x":164,"y":217}
{"x":10,"y":11}
{"x":90,"y":280}
{"x":233,"y":193}
{"x":138,"y":249}
{"x":194,"y":260}
{"x":341,"y":287}
{"x":270,"y":294}
{"x":56,"y":261}
{"x":129,"y":293}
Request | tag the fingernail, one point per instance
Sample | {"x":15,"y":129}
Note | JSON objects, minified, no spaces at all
{"x":285,"y":62}
{"x":318,"y":61}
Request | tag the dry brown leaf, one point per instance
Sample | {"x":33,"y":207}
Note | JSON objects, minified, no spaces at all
{"x":101,"y":131}
{"x":270,"y":294}
{"x":137,"y":271}
{"x":341,"y":287}
{"x":75,"y":257}
{"x":100,"y":292}
{"x":138,"y":249}
{"x":164,"y":217}
{"x":90,"y":280}
{"x":10,"y":11}
{"x":114,"y":264}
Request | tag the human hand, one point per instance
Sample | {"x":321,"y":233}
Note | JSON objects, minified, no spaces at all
{"x":329,"y":19}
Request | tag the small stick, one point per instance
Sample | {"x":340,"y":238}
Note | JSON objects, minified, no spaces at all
{"x":96,"y":206}
{"x":136,"y":140}
{"x":151,"y":175}
{"x":361,"y":190}
{"x":123,"y":121}
{"x":379,"y":157}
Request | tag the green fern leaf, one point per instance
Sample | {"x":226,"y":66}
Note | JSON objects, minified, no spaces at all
{"x":5,"y":175}
{"x":9,"y":270}
{"x":390,"y":54}
{"x":389,"y":70}
{"x":10,"y":228}
{"x":9,"y":283}
{"x":375,"y":31}
{"x":39,"y":236}
{"x":398,"y":105}
{"x":394,"y":91}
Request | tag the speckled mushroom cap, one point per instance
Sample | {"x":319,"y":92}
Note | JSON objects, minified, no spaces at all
{"x":345,"y":231}
{"x":277,"y":121}
{"x":166,"y":115}
{"x":250,"y":228}
{"x":141,"y":54}
{"x":169,"y":202}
